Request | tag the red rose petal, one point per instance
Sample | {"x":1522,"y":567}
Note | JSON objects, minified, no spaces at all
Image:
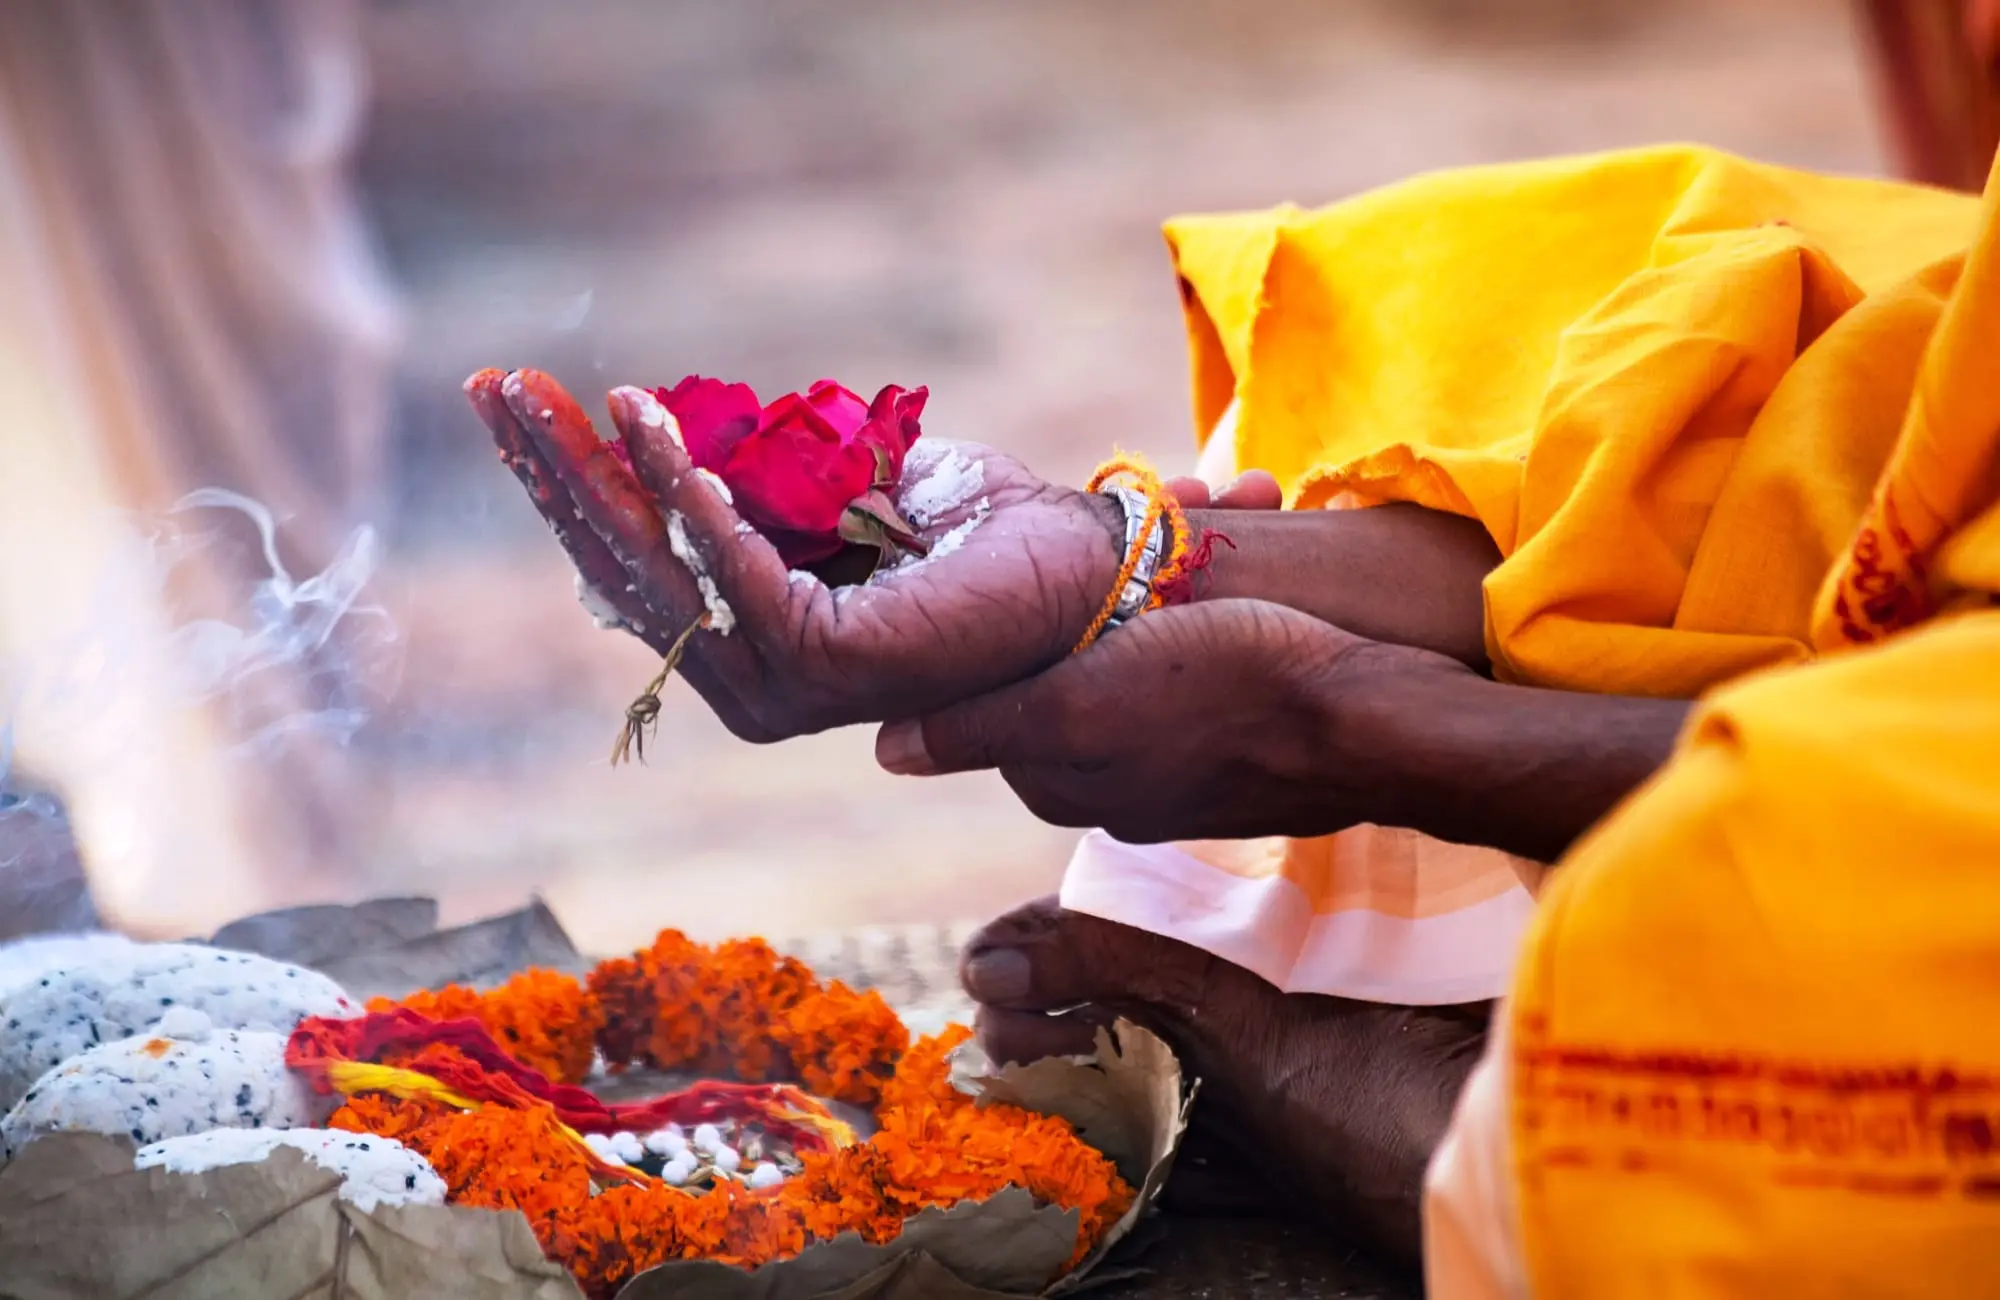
{"x":796,"y":472}
{"x":893,"y":423}
{"x":713,"y":416}
{"x":839,"y":406}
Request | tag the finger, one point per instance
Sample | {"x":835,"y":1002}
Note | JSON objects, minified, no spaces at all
{"x":593,"y":559}
{"x":606,"y":494}
{"x":597,"y":562}
{"x":738,"y":570}
{"x":1054,"y":718}
{"x":1254,"y":489}
{"x":1074,"y":796}
{"x":1192,"y":493}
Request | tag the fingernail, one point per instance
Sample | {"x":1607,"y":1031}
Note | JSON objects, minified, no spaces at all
{"x":651,"y":412}
{"x":999,"y":975}
{"x":899,"y":748}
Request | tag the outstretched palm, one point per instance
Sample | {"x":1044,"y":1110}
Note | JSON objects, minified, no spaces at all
{"x":1017,"y":570}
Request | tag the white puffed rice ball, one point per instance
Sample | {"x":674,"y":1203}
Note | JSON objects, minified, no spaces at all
{"x":601,"y":1147}
{"x":765,"y":1175}
{"x":628,"y":1147}
{"x":66,"y":1011}
{"x":678,"y":1170}
{"x":707,"y":1137}
{"x":726,"y":1159}
{"x":374,"y":1170}
{"x":668,"y":1142}
{"x":151,"y":1087}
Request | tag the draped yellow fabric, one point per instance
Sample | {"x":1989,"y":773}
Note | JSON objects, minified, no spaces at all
{"x":1753,"y":1024}
{"x":1666,"y":381}
{"x":1724,"y":421}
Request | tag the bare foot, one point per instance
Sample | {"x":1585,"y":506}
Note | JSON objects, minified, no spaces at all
{"x":1334,"y":1105}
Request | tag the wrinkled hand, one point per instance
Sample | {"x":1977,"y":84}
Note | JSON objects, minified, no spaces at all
{"x":661,"y":545}
{"x":1230,"y":719}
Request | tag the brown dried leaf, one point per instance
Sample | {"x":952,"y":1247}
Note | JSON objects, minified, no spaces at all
{"x":78,"y":1221}
{"x":307,"y":936}
{"x":481,"y":954}
{"x":916,"y":1277}
{"x":1005,"y":1243}
{"x":1128,"y":1102}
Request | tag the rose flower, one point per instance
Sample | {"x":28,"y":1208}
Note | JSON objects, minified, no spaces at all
{"x":812,"y":473}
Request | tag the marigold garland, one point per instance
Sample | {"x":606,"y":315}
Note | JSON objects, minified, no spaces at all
{"x":740,"y":1009}
{"x":544,"y":1019}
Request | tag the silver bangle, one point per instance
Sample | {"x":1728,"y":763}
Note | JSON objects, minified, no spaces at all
{"x":1138,"y":590}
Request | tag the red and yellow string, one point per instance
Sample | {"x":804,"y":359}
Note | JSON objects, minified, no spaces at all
{"x":1186,"y":554}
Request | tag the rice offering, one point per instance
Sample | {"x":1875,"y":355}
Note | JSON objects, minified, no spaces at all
{"x":121,"y":993}
{"x":373,"y":1170}
{"x":188,"y":1078}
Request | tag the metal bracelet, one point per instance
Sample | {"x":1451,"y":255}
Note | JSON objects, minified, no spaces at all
{"x":1138,"y":591}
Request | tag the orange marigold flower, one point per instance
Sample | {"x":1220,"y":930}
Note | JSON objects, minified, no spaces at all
{"x":719,"y":1010}
{"x":923,"y":1074}
{"x":389,"y":1117}
{"x":544,"y":1019}
{"x":623,"y":988}
{"x":499,"y":1158}
{"x":841,"y":1043}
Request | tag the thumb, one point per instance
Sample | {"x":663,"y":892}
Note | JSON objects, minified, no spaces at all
{"x":1024,"y":723}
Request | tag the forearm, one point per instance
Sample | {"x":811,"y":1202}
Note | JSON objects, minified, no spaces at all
{"x":1527,"y":771}
{"x":1398,"y":574}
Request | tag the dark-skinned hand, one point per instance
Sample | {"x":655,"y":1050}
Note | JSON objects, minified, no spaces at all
{"x":803,"y":657}
{"x":1216,"y":720}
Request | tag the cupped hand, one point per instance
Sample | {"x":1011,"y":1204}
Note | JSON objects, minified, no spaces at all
{"x":1220,"y":720}
{"x":1017,"y":570}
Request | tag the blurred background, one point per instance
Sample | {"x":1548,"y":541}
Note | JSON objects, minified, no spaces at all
{"x":257,"y":247}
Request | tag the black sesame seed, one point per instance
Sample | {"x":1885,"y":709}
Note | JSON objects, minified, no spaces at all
{"x":154,"y":1102}
{"x":243,"y":1095}
{"x":138,"y":1134}
{"x":410,"y":1182}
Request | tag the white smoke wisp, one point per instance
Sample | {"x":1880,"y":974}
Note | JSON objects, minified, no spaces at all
{"x":130,"y":680}
{"x":290,"y":625}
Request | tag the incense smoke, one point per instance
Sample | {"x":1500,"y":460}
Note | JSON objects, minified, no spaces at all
{"x":185,"y":633}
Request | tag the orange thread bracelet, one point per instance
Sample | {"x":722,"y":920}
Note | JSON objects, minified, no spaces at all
{"x":1173,"y":582}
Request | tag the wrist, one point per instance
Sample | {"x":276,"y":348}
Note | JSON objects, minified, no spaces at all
{"x":1388,"y":709}
{"x":1524,"y":770}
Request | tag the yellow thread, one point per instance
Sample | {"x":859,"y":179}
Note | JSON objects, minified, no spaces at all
{"x":350,"y":1077}
{"x":1159,"y":503}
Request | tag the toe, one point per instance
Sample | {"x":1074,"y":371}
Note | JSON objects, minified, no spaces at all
{"x":1043,"y":957}
{"x":1018,"y":1037}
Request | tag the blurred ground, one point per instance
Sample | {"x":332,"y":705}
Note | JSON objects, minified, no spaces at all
{"x":962,"y":195}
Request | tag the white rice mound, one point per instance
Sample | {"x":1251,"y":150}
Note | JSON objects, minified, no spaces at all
{"x":374,"y":1170}
{"x":116,"y":993}
{"x":151,"y":1087}
{"x":23,"y":961}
